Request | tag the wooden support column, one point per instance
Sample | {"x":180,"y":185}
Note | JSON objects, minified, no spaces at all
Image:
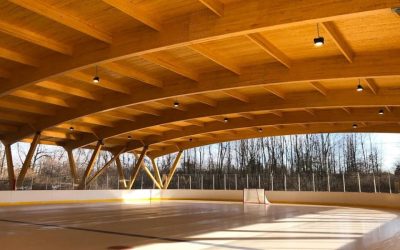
{"x":27,"y":162}
{"x":172,"y":170}
{"x":151,"y":176}
{"x":148,"y":172}
{"x":98,"y":173}
{"x":156,"y":172}
{"x":120,"y":172}
{"x":10,"y":167}
{"x":91,"y":164}
{"x":136,"y":169}
{"x":72,"y":166}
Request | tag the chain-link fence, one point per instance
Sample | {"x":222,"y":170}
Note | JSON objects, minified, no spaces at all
{"x":348,"y":182}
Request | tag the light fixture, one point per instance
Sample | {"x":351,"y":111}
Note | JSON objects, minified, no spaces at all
{"x":381,"y":112}
{"x":260,"y":130}
{"x":176,"y":104}
{"x":319,"y":40}
{"x":226,"y":120}
{"x":360,"y":88}
{"x":355,"y":125}
{"x":96,"y":78}
{"x":71,"y":129}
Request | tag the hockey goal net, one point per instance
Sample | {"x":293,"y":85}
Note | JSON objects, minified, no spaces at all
{"x":255,"y":196}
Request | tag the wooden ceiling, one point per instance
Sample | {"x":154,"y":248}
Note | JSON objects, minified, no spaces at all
{"x":238,"y":69}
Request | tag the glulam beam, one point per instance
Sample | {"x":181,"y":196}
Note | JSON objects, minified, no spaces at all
{"x":107,"y":84}
{"x":106,"y":165}
{"x":133,"y":11}
{"x":92,"y":161}
{"x":204,"y":99}
{"x":173,"y":64}
{"x":60,"y":16}
{"x":372,"y":85}
{"x":26,"y":107}
{"x":134,"y":73}
{"x":65,"y":89}
{"x":18,"y":57}
{"x":148,"y":172}
{"x":319,"y":87}
{"x":42,"y":98}
{"x":35,"y":38}
{"x":172,"y":169}
{"x":121,"y":173}
{"x":216,"y":57}
{"x":268,"y":47}
{"x":156,"y":172}
{"x":307,"y":100}
{"x":10,"y":167}
{"x":215,"y":6}
{"x":237,"y":95}
{"x":339,"y":40}
{"x":145,"y":110}
{"x":195,"y":28}
{"x":28,"y":160}
{"x":136,"y":168}
{"x":275,"y":92}
{"x":382,"y":64}
{"x":72,"y":166}
{"x":278,"y":131}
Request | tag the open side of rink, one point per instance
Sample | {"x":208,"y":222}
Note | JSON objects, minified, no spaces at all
{"x":184,"y":224}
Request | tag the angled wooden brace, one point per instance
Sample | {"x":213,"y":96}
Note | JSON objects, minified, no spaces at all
{"x":172,"y":170}
{"x":156,"y":172}
{"x":147,"y":171}
{"x":121,"y":172}
{"x":28,"y":159}
{"x":10,"y":167}
{"x":89,"y":167}
{"x":137,"y":167}
{"x":100,"y":171}
{"x":72,"y":166}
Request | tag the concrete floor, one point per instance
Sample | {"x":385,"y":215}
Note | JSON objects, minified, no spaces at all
{"x":196,"y":225}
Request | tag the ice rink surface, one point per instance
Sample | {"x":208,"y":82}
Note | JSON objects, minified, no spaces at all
{"x":196,"y":225}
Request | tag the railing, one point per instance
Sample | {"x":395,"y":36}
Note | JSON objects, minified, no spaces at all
{"x":349,"y":182}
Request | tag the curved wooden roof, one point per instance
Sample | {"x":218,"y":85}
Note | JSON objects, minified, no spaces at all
{"x":238,"y":69}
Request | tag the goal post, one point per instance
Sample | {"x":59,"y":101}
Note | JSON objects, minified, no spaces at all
{"x":254,"y":196}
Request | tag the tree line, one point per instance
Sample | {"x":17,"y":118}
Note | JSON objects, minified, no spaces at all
{"x":310,"y":153}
